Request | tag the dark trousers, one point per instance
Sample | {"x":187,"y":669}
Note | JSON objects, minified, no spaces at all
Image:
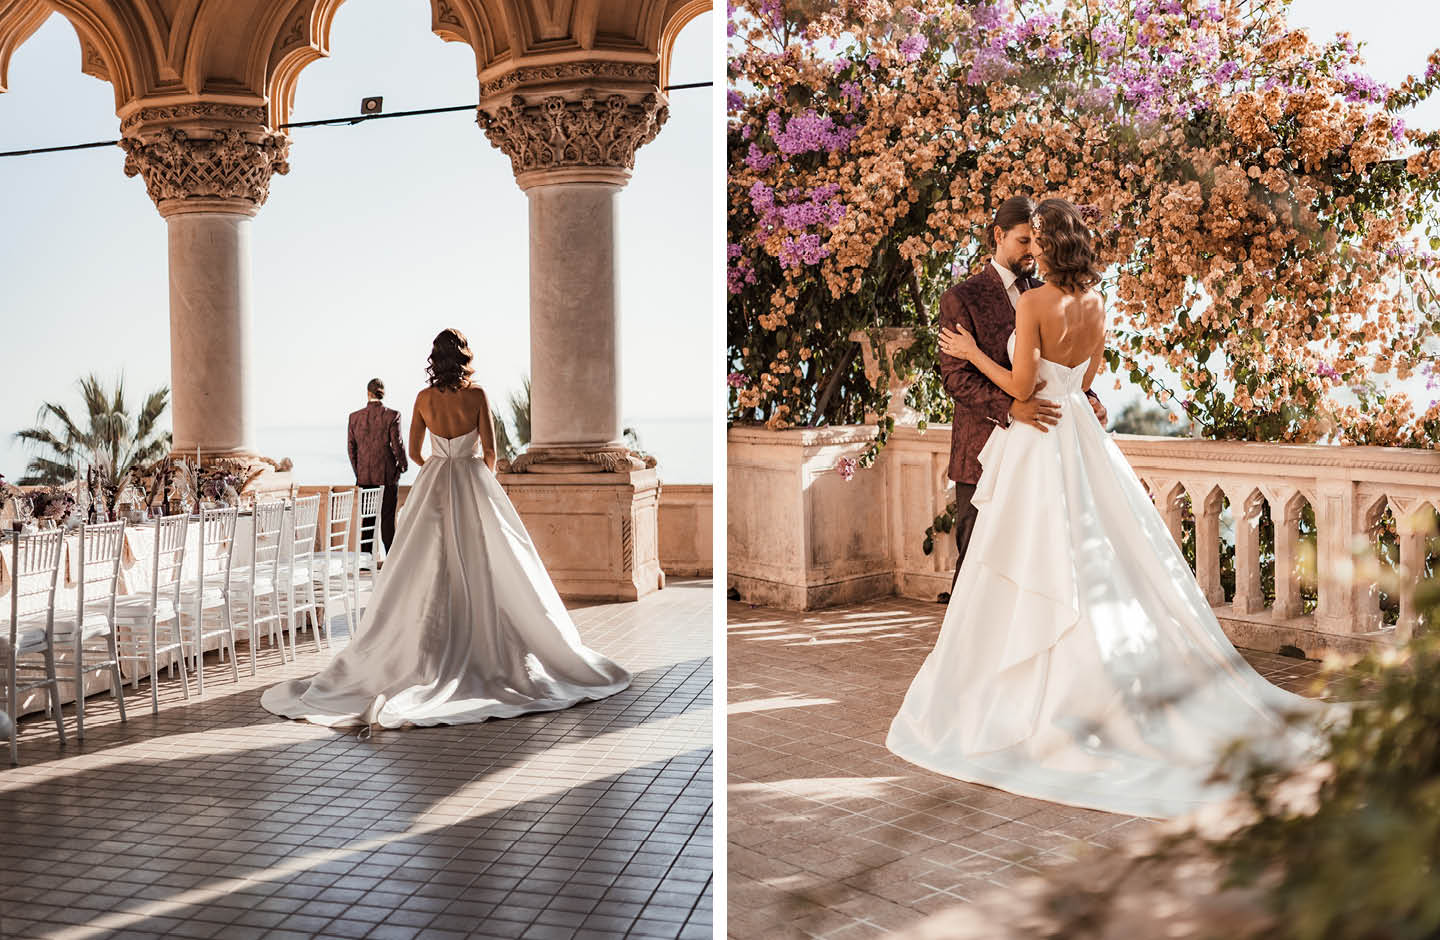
{"x":965,"y":516}
{"x":388,"y":500}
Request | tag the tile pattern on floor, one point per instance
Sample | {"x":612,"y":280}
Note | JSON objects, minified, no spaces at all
{"x":831,"y":835}
{"x":217,"y":819}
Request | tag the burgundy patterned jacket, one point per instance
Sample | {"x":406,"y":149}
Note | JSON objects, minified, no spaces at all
{"x":981,"y":305}
{"x":377,"y":455}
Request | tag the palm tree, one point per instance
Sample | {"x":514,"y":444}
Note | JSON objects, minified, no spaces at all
{"x":109,"y":439}
{"x":520,"y":413}
{"x":512,"y":436}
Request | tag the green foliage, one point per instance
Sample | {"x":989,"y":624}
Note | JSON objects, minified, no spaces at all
{"x":1366,"y":863}
{"x":513,"y":435}
{"x":108,"y":436}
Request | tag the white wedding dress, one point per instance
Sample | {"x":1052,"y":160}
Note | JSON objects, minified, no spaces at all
{"x":464,"y":623}
{"x":1078,"y":661}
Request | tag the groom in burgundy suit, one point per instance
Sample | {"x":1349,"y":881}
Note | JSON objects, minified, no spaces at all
{"x":377,"y":455}
{"x":984,"y":304}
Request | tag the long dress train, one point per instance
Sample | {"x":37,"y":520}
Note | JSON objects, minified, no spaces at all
{"x":464,"y":623}
{"x":1078,"y":661}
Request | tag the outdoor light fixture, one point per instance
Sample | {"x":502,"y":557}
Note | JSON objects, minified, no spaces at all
{"x":372,"y":105}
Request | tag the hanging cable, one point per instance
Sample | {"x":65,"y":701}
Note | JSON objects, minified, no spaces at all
{"x":327,"y":122}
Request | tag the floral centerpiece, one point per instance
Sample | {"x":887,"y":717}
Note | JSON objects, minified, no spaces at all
{"x":51,"y":504}
{"x":225,"y":480}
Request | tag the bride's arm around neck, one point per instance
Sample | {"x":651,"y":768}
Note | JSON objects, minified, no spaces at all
{"x":1019,"y":382}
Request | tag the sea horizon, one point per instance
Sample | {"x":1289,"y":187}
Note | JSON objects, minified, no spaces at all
{"x":681,"y":446}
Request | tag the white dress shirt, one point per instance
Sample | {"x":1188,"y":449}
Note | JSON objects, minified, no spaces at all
{"x":1008,"y":278}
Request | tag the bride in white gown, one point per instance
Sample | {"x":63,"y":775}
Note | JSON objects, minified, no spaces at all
{"x":1078,"y":661}
{"x":464,"y":623}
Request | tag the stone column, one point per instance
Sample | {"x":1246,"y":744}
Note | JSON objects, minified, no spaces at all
{"x":572,"y":147}
{"x":571,"y":131}
{"x":207,"y":167}
{"x":574,"y":324}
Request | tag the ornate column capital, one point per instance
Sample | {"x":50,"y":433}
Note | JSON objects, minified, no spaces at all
{"x":206,"y":157}
{"x":571,"y":134}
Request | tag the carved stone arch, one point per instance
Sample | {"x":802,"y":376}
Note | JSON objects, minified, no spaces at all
{"x":19,"y":19}
{"x":1204,"y":495}
{"x":1251,"y":506}
{"x":288,"y":40}
{"x":1371,"y":512}
{"x":1170,"y":491}
{"x":486,"y":26}
{"x":180,"y":46}
{"x":114,"y":46}
{"x":107,"y":47}
{"x":678,"y":15}
{"x":1279,"y":498}
{"x":1294,"y":505}
{"x":1408,"y":512}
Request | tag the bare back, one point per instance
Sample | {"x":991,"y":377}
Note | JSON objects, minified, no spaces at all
{"x":452,"y":413}
{"x":1072,"y":326}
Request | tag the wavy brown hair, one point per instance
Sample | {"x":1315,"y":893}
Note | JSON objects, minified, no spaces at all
{"x":1068,"y":246}
{"x":450,"y":360}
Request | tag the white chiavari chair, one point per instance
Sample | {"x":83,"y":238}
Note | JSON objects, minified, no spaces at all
{"x":258,"y":584}
{"x":139,"y":616}
{"x":368,"y":548}
{"x":90,"y":627}
{"x":34,"y":569}
{"x":332,"y":571}
{"x":210,"y":591}
{"x":296,"y":571}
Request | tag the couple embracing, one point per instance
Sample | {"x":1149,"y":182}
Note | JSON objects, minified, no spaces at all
{"x":1078,"y":661}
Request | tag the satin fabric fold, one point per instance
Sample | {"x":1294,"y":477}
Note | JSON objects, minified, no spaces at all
{"x":464,"y":623}
{"x":1078,"y":661}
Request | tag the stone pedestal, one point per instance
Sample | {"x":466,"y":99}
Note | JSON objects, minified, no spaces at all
{"x":597,"y":532}
{"x":800,"y":535}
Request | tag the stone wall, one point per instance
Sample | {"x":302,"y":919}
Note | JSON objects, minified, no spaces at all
{"x":801,"y":537}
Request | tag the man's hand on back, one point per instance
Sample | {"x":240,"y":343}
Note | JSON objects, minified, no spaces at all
{"x":1037,"y":412}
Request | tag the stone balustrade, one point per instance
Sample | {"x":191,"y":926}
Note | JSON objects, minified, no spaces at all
{"x":800,"y":536}
{"x":686,"y":544}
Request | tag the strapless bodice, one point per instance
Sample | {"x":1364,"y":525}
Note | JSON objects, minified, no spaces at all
{"x":1059,"y":380}
{"x":462,"y":446}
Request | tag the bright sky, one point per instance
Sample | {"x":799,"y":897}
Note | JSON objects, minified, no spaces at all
{"x":381,"y":235}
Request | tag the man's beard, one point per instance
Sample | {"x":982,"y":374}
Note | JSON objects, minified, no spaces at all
{"x":1023,"y":265}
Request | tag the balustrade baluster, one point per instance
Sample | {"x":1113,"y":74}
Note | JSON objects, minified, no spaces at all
{"x":1286,"y":516}
{"x":1207,"y":540}
{"x":1245,"y":509}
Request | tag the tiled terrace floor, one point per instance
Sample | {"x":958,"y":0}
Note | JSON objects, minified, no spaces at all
{"x":831,"y":835}
{"x":217,"y":819}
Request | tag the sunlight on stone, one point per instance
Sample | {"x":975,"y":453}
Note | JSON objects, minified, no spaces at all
{"x":766,"y":704}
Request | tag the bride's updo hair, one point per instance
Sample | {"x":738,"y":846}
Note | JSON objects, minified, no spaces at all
{"x":450,"y":361}
{"x":1069,"y":248}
